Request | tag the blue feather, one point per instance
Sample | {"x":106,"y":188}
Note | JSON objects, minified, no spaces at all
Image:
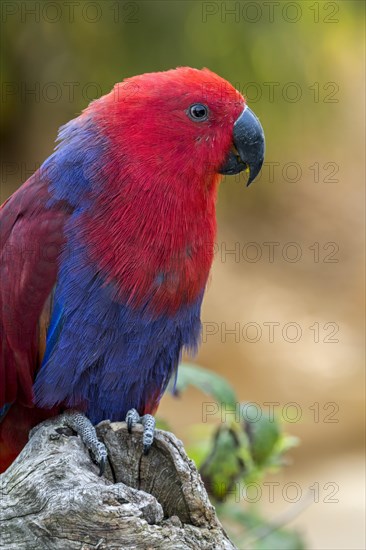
{"x":4,"y":409}
{"x":108,"y":357}
{"x":54,"y":331}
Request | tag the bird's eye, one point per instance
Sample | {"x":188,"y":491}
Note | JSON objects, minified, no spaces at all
{"x":198,"y":112}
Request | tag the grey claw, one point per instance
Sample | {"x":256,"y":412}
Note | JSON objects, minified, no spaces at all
{"x":100,"y":454}
{"x":132,"y":417}
{"x":102,"y":463}
{"x":148,"y":422}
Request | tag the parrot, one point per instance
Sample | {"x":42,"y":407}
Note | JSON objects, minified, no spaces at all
{"x":106,"y":252}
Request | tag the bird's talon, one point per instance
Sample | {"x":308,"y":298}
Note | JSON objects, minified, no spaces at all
{"x":148,"y":422}
{"x":79,"y":423}
{"x":99,"y":453}
{"x":102,"y":465}
{"x":132,"y":418}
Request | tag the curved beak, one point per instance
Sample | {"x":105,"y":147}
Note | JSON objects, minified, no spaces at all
{"x":247,"y":152}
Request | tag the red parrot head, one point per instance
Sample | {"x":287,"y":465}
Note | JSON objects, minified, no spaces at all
{"x":186,"y":122}
{"x":162,"y":142}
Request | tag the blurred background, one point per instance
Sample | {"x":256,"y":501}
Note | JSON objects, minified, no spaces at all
{"x":283,"y":317}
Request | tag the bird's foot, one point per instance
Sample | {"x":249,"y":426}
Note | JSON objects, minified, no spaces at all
{"x":84,"y":428}
{"x":80,"y":424}
{"x":148,"y":422}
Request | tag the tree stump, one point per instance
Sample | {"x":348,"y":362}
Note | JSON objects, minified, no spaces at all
{"x":52,"y":497}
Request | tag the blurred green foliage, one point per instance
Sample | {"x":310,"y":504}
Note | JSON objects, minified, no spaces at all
{"x":235,"y":454}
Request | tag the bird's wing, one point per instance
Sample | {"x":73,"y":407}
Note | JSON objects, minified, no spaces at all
{"x":31,"y":239}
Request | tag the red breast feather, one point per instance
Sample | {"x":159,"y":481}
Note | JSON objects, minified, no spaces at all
{"x":161,"y":170}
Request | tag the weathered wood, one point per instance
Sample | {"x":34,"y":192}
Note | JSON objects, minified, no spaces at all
{"x":52,"y":497}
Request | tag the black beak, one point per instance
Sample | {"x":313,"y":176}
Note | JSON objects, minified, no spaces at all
{"x":247,"y":152}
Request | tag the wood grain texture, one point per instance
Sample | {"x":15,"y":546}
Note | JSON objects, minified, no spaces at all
{"x":52,"y":497}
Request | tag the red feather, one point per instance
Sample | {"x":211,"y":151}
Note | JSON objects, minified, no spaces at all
{"x":164,"y":184}
{"x":31,"y":237}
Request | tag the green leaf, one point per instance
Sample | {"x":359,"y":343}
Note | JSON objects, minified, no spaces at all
{"x":207,"y":381}
{"x":223,"y":467}
{"x":263,"y":433}
{"x":285,"y":443}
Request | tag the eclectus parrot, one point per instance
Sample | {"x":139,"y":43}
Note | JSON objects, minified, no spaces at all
{"x":106,"y":250}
